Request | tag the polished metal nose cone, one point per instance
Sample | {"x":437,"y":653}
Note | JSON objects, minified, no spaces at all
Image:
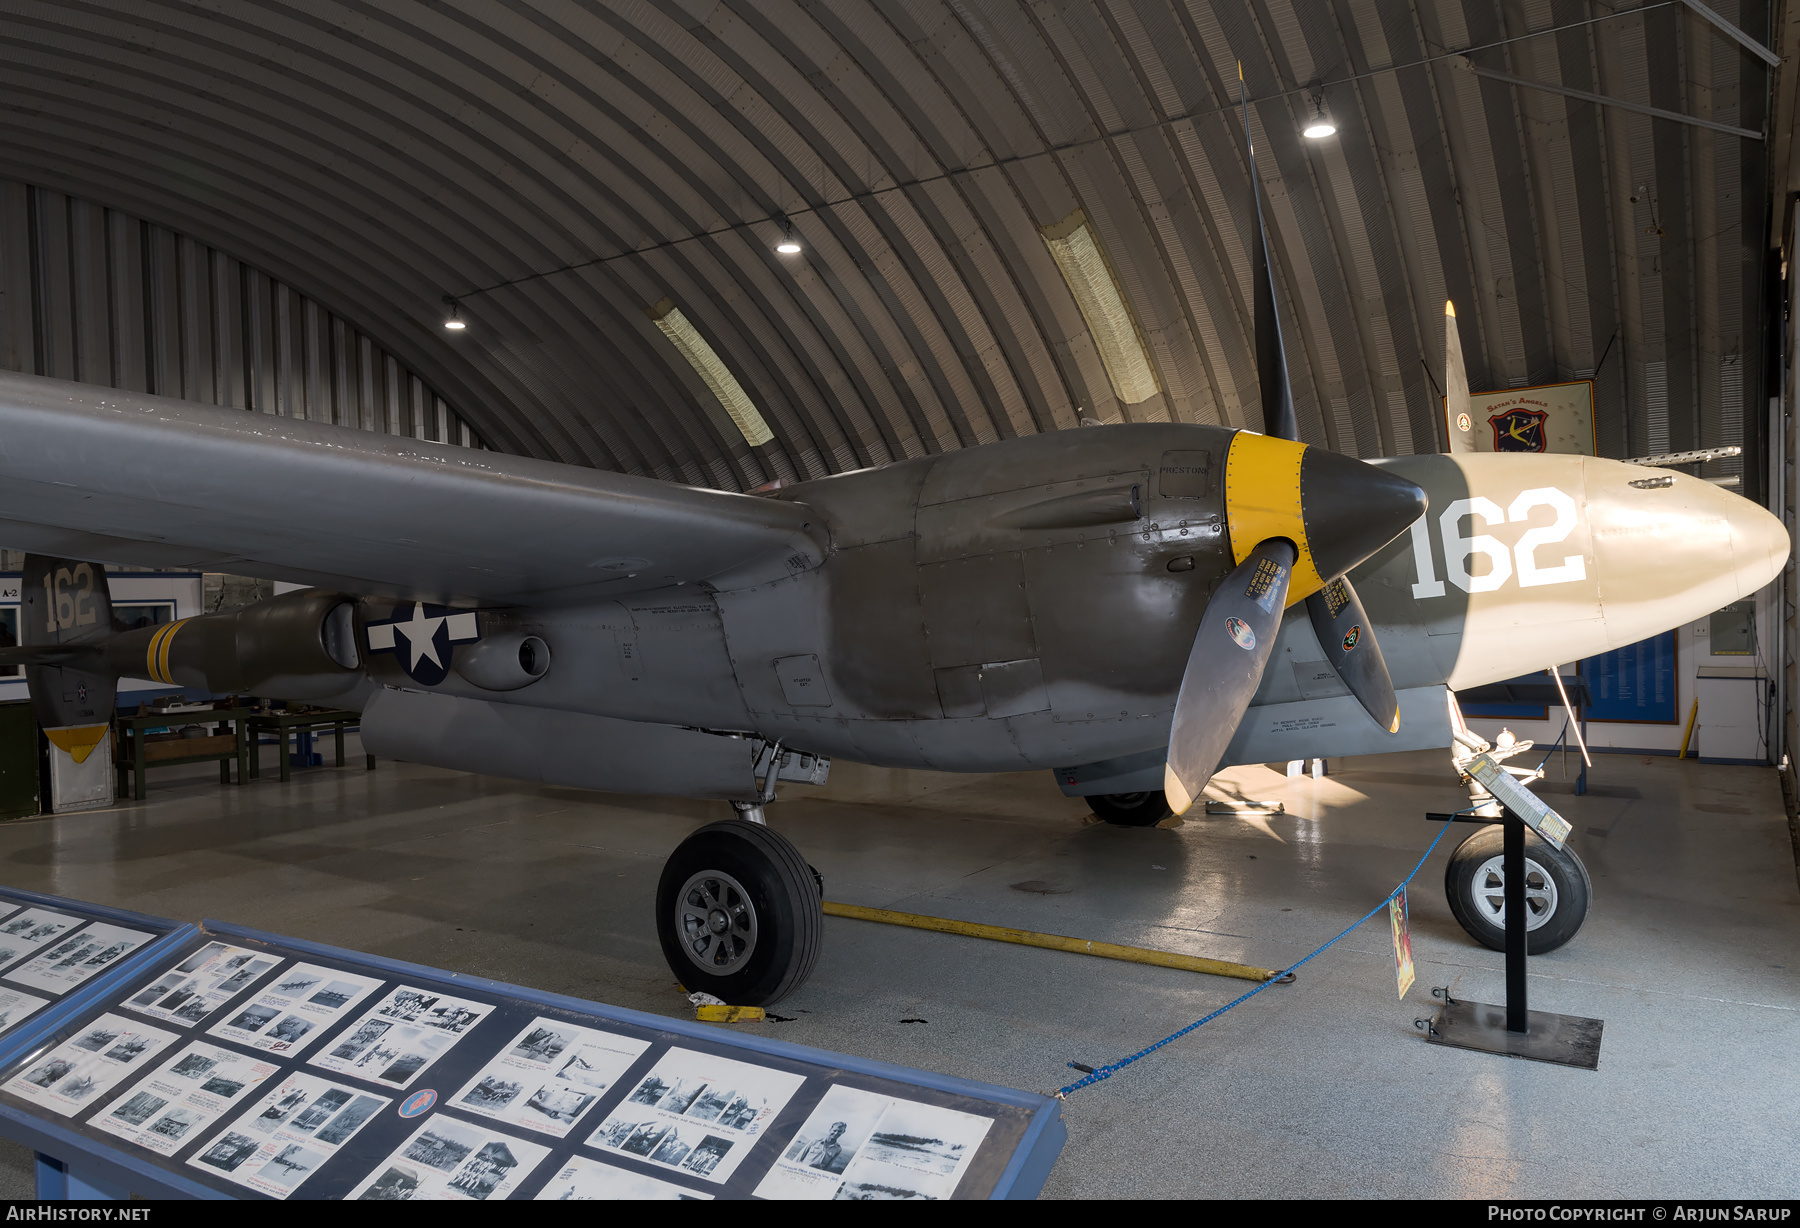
{"x":1351,"y":509}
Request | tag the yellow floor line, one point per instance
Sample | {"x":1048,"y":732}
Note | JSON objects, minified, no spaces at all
{"x":1054,"y":942}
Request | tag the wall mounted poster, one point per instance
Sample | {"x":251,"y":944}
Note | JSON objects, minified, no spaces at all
{"x":105,"y":1051}
{"x":408,"y":1031}
{"x":697,"y":1114}
{"x":548,"y":1076}
{"x":864,"y":1146}
{"x":447,"y":1159}
{"x":1635,"y":684}
{"x":1544,"y":418}
{"x":174,"y":1104}
{"x":281,"y":1141}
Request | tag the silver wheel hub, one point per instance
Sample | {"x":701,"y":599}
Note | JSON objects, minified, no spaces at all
{"x":716,"y":921}
{"x":1487,"y":893}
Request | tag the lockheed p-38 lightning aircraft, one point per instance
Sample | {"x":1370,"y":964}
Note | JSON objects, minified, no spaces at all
{"x":1131,"y":606}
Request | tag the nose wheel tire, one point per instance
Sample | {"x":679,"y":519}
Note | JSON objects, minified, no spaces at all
{"x":737,"y":911}
{"x":1131,"y":809}
{"x":1557,"y":890}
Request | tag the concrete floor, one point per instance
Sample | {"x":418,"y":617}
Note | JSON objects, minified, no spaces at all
{"x":1321,"y":1089}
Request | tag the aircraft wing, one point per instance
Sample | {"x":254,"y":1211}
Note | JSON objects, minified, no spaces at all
{"x":126,"y":478}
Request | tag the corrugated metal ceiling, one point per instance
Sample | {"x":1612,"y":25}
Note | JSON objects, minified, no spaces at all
{"x":379,"y":155}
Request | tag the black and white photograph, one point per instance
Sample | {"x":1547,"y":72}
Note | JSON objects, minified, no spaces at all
{"x":68,"y":964}
{"x":193,"y":1065}
{"x":279,"y":1108}
{"x":293,"y":1008}
{"x":16,"y":1007}
{"x":542,"y":1043}
{"x":80,"y":1085}
{"x":174,"y":1124}
{"x":48,"y":1072}
{"x":346,"y":1123}
{"x":692,"y":1110}
{"x":137,"y":1110}
{"x":319,"y":1111}
{"x":30,"y":931}
{"x":527,"y":1085}
{"x":204,"y":982}
{"x":813,"y":1164}
{"x":297,"y":1125}
{"x":199,"y":958}
{"x":296,"y":981}
{"x":561,"y":1105}
{"x":448,"y":1159}
{"x":289,"y":1166}
{"x":397,"y":1183}
{"x":157,"y":989}
{"x":492,"y":1094}
{"x":230,"y":1151}
{"x":336,"y":995}
{"x":582,"y":1179}
{"x":359,"y":1040}
{"x":65,"y":1079}
{"x":443,"y":1146}
{"x":254,"y":1018}
{"x":290,"y":1030}
{"x":198,"y":1084}
{"x":94,"y":1040}
{"x":400,"y":1036}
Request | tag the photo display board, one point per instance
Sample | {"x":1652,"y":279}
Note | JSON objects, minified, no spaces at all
{"x":263,"y":1067}
{"x":55,"y":951}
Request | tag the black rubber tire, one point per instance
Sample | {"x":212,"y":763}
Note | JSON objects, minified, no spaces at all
{"x":783,"y":892}
{"x":1563,"y":869}
{"x":1131,"y":809}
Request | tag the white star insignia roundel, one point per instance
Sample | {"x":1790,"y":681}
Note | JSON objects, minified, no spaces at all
{"x":422,"y":639}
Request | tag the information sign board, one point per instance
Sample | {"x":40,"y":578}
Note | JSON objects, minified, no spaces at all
{"x":248,"y":1065}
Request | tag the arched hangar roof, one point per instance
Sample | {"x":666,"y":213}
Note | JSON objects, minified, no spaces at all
{"x":1012,"y":214}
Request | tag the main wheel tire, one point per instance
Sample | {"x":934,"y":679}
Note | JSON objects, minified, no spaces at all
{"x":1557,"y":890}
{"x":737,"y":910}
{"x":1131,"y":809}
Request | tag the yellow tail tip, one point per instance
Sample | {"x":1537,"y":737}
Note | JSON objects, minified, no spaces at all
{"x":1450,"y":309}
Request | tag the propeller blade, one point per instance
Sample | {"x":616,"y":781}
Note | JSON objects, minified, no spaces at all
{"x":1271,"y":355}
{"x":1225,"y":667}
{"x":1348,"y":638}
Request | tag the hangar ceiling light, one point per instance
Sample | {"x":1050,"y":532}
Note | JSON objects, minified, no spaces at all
{"x":1076,"y":249}
{"x":789,"y":244}
{"x":708,"y":366}
{"x":1318,"y":124}
{"x":454,"y":321}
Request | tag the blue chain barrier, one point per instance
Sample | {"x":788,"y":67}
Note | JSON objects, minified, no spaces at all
{"x":1107,"y":1072}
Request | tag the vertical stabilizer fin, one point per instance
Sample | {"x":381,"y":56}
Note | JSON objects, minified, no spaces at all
{"x":67,"y":603}
{"x":1458,"y":417}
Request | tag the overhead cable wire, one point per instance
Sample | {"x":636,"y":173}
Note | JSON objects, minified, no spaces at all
{"x":778,"y":217}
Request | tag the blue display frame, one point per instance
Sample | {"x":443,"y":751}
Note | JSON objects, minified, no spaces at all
{"x":76,"y":1161}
